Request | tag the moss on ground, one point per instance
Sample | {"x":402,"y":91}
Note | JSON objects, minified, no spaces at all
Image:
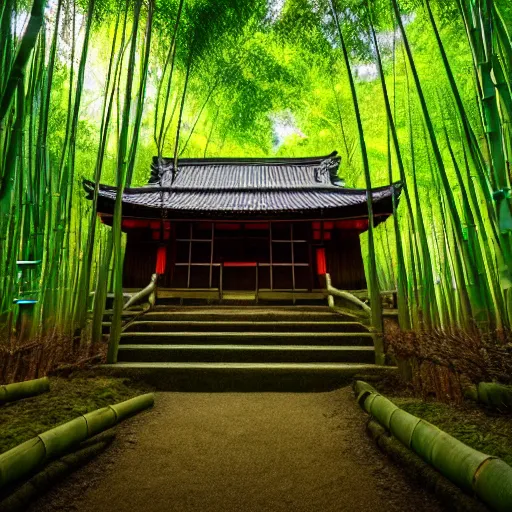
{"x":67,"y":399}
{"x":483,"y":430}
{"x":473,"y":424}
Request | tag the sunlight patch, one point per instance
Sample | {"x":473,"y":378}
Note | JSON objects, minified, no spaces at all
{"x":366,"y":72}
{"x":274,"y":10}
{"x":283,"y":126}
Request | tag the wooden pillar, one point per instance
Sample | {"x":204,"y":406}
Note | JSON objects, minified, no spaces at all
{"x":161,"y":259}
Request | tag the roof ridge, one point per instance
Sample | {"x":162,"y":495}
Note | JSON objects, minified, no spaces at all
{"x":249,"y":161}
{"x":154,"y":188}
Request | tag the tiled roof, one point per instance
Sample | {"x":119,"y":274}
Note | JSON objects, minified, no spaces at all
{"x":260,"y":187}
{"x":246,"y":174}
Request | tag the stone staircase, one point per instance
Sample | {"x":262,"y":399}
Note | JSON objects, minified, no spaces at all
{"x":246,"y":335}
{"x":225,"y":347}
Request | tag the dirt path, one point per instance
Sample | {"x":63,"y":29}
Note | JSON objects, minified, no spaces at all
{"x":242,"y":452}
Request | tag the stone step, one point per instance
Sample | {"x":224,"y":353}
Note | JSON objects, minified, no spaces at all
{"x":235,"y":308}
{"x":243,"y":314}
{"x":221,"y":377}
{"x":243,"y":326}
{"x":246,"y":353}
{"x":249,"y":338}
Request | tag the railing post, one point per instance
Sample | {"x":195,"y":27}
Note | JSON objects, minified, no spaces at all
{"x":375,"y":314}
{"x":257,"y":279}
{"x":221,"y":276}
{"x":378,"y":327}
{"x":149,"y":291}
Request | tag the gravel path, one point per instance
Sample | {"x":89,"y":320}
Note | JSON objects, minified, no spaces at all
{"x":242,"y":452}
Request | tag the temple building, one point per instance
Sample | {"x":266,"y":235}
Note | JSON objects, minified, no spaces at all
{"x":253,"y":228}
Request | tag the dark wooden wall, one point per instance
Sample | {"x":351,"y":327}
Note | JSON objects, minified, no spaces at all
{"x":139,"y":261}
{"x":343,"y":258}
{"x":345,"y":261}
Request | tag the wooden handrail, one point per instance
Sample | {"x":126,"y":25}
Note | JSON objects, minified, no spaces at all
{"x":331,"y":291}
{"x":150,"y":292}
{"x":145,"y":292}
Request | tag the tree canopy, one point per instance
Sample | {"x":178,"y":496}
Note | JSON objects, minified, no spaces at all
{"x":94,"y":88}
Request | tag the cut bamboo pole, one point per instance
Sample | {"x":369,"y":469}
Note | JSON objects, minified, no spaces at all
{"x":23,"y":459}
{"x":19,"y":390}
{"x":473,"y":471}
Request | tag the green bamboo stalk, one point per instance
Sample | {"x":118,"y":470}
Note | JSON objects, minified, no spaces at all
{"x":122,"y":169}
{"x":372,"y":265}
{"x":203,"y":106}
{"x":182,"y":107}
{"x":340,"y":119}
{"x":413,"y":288}
{"x":100,"y":293}
{"x":67,"y":183}
{"x":13,"y":191}
{"x":472,"y":278}
{"x":403,"y":306}
{"x":429,"y":307}
{"x":141,"y":94}
{"x":474,"y":148}
{"x":46,"y":205}
{"x":171,"y":57}
{"x":30,"y":176}
{"x":56,"y":227}
{"x":85,"y":278}
{"x":41,"y":149}
{"x":6,"y":42}
{"x":473,"y":245}
{"x":478,"y":21}
{"x":28,"y":42}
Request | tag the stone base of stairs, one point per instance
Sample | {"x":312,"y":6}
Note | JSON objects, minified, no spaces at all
{"x":219,"y":377}
{"x":229,"y":348}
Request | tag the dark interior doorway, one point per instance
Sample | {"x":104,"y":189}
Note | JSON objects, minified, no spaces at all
{"x":242,"y":256}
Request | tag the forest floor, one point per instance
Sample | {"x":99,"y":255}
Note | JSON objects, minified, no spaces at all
{"x":474,"y":424}
{"x":242,"y":452}
{"x":67,"y":399}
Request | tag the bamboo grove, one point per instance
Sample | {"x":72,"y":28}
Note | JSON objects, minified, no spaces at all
{"x":412,"y":90}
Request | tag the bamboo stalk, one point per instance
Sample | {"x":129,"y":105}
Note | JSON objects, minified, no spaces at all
{"x":28,"y":42}
{"x":122,"y":169}
{"x":374,"y":286}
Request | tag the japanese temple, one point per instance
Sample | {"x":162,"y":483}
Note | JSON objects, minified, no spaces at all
{"x":254,"y":228}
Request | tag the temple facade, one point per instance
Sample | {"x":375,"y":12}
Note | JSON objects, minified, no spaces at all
{"x":251,"y":228}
